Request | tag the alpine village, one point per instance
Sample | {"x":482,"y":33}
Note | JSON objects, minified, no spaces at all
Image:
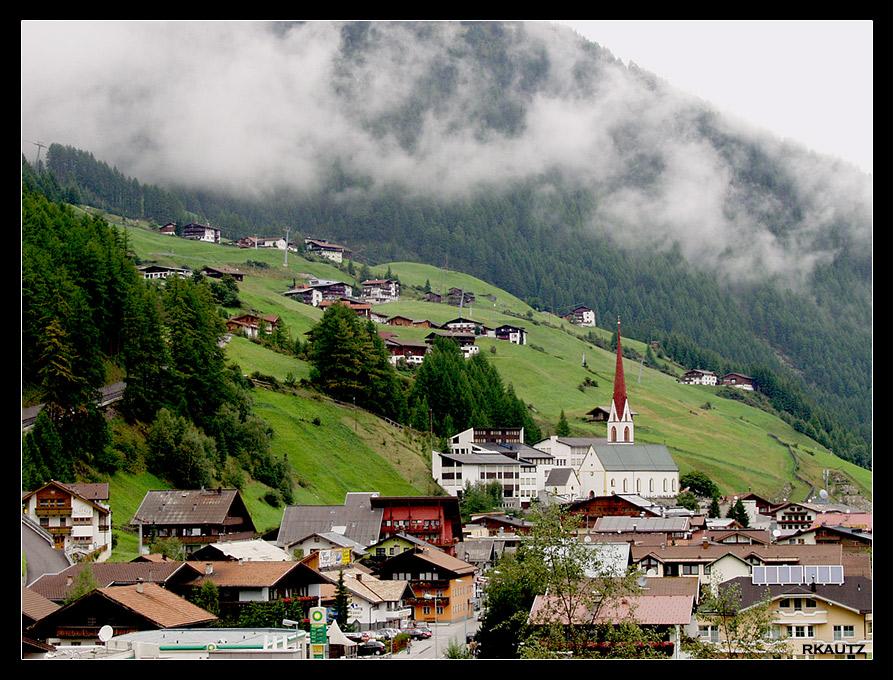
{"x":324,"y":437}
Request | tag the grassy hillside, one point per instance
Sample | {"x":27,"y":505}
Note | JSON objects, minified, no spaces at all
{"x":334,"y":449}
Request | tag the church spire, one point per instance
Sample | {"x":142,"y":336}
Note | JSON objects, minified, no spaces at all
{"x":620,"y":421}
{"x":619,"y":380}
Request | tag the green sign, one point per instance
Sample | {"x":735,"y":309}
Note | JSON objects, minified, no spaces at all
{"x":318,"y":630}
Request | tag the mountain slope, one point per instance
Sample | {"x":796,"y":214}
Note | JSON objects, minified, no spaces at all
{"x":733,"y":442}
{"x":530,"y":158}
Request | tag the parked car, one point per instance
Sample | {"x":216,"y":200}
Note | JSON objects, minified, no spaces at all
{"x":418,"y":633}
{"x":357,"y":637}
{"x":371,"y":648}
{"x":387,"y":633}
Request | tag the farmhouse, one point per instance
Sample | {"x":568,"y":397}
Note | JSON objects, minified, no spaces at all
{"x":323,"y":248}
{"x":195,"y":517}
{"x":201,"y":232}
{"x":77,"y":516}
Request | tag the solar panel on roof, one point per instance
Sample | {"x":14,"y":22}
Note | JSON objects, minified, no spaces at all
{"x":795,"y":574}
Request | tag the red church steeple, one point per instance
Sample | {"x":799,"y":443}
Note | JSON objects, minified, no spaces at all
{"x":620,"y":421}
{"x":619,"y":400}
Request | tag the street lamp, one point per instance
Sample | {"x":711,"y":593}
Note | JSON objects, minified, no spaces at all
{"x":429,"y":596}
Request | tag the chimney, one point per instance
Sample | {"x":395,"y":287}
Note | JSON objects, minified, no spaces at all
{"x":139,"y":586}
{"x":209,"y":568}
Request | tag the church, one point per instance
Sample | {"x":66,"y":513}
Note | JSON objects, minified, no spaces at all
{"x":617,"y":464}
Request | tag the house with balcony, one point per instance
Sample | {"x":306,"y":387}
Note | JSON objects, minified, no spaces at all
{"x":435,"y":520}
{"x":241,"y":582}
{"x":77,"y":516}
{"x":192,"y":517}
{"x":326,"y":249}
{"x":378,"y":291}
{"x":442,"y":585}
{"x":696,"y":376}
{"x":252,"y":325}
{"x":581,"y":315}
{"x":822,"y":612}
{"x":201,"y":232}
{"x":373,"y":603}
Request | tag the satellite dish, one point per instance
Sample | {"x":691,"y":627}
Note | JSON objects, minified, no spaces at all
{"x":106,"y":633}
{"x":823,"y":495}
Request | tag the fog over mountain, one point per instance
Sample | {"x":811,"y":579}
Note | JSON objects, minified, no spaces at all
{"x":253,"y":107}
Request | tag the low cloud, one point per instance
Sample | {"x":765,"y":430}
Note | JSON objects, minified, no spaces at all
{"x":245,"y":108}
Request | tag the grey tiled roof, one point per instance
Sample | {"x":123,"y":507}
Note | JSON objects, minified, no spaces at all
{"x":356,"y":519}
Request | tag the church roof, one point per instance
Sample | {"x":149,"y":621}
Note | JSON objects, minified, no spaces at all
{"x":640,"y":457}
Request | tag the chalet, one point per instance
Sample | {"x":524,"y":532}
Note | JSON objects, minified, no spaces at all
{"x":381,"y":290}
{"x":372,"y":603}
{"x":169,"y":229}
{"x":466,"y":341}
{"x":462,"y":325}
{"x":581,"y":315}
{"x":201,"y":232}
{"x":711,"y":562}
{"x":220,"y":272}
{"x":171,"y":575}
{"x":77,"y":516}
{"x":193,"y":517}
{"x":442,"y":585}
{"x":498,"y":523}
{"x":458,"y":297}
{"x":464,"y":441}
{"x":590,"y":510}
{"x":433,"y":297}
{"x":121,"y":608}
{"x":242,"y":582}
{"x":251,"y":324}
{"x":157,"y":271}
{"x":410,"y":351}
{"x":739,"y":380}
{"x":849,"y":538}
{"x":696,"y":376}
{"x":514,"y":334}
{"x":363,"y":309}
{"x":411,"y":323}
{"x":323,"y":248}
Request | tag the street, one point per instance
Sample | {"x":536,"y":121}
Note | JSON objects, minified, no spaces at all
{"x":443,"y":633}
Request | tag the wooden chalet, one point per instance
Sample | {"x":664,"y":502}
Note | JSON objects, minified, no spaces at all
{"x":193,"y":517}
{"x":123,"y":608}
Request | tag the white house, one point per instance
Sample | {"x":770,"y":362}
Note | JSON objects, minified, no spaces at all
{"x":201,"y":232}
{"x":77,"y":516}
{"x":372,"y":603}
{"x":696,"y":376}
{"x":323,"y":248}
{"x":581,"y":315}
{"x":381,"y":290}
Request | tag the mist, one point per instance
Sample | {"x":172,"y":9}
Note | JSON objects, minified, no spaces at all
{"x":250,"y":107}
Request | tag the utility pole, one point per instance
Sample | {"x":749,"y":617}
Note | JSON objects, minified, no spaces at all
{"x":285,"y":264}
